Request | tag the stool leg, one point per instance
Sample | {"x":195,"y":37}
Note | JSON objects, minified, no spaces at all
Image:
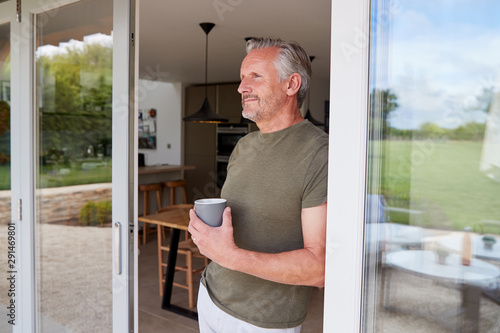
{"x":145,"y":211}
{"x":189,"y":278}
{"x":172,"y":195}
{"x":184,"y":194}
{"x":183,"y":188}
{"x":160,"y":261}
{"x":161,"y":195}
{"x":158,"y":198}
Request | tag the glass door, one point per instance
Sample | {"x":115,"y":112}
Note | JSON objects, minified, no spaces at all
{"x":414,"y":220}
{"x":432,"y":225}
{"x":73,"y":178}
{"x":76,"y":267}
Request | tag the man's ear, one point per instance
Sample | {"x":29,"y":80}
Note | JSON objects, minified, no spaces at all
{"x":294,"y":82}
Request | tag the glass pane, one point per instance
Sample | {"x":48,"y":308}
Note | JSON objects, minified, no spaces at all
{"x":5,"y":217}
{"x":432,"y":234}
{"x":73,"y":177}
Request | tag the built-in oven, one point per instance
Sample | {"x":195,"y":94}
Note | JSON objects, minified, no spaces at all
{"x":228,"y":136}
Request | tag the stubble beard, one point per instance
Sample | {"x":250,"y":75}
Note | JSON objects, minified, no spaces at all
{"x":265,"y":108}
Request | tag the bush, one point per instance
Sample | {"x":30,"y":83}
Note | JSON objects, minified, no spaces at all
{"x":95,"y":213}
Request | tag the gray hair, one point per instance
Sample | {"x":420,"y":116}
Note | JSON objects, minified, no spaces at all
{"x":291,"y":59}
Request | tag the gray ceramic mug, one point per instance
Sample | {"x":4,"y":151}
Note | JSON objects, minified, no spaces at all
{"x":210,"y":210}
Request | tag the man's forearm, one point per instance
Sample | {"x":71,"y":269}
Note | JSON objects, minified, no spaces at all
{"x":298,"y":267}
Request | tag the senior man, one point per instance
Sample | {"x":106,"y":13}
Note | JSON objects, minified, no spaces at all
{"x":270,"y":250}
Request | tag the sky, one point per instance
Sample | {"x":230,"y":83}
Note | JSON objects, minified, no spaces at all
{"x":442,"y":54}
{"x":62,"y":47}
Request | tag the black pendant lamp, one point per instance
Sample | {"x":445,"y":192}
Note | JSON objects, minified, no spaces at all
{"x":308,"y":113}
{"x":206,"y":114}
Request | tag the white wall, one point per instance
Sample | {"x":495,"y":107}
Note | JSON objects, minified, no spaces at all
{"x":166,"y":98}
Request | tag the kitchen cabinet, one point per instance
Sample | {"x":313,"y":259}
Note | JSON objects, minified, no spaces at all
{"x":229,"y":102}
{"x":200,"y":139}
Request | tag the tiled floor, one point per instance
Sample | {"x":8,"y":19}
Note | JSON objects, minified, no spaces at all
{"x":152,"y":318}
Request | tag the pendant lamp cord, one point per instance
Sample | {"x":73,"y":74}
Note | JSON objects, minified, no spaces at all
{"x":206,"y":65}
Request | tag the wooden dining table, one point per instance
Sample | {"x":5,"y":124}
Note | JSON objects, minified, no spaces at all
{"x":176,"y":219}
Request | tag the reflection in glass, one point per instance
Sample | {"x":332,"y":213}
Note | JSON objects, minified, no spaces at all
{"x":5,"y":216}
{"x":73,"y":176}
{"x":433,"y":168}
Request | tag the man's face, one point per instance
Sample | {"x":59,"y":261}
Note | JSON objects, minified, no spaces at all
{"x":262,"y":95}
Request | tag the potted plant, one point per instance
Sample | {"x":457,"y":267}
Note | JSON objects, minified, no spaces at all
{"x":489,"y":241}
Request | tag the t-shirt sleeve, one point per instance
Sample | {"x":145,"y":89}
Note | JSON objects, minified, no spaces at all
{"x":316,"y":179}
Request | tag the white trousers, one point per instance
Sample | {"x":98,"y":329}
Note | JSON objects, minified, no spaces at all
{"x":213,"y":320}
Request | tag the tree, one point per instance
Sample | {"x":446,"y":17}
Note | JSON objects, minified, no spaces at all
{"x":470,"y":131}
{"x":382,"y":103}
{"x":76,"y":100}
{"x":430,"y":130}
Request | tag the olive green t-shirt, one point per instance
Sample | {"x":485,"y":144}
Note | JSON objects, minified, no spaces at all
{"x":270,"y":178}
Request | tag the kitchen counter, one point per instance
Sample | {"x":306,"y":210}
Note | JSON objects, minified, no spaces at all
{"x":161,"y":168}
{"x":152,"y":174}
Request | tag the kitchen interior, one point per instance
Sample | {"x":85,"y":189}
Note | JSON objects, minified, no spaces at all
{"x":180,"y":65}
{"x":172,"y":74}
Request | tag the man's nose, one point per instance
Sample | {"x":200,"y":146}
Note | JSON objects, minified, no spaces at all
{"x":244,"y":87}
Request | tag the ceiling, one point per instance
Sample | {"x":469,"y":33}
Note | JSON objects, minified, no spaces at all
{"x":172,"y":44}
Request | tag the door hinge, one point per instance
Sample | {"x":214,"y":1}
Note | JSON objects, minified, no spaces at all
{"x":18,"y":10}
{"x":132,"y":40}
{"x":19,"y":209}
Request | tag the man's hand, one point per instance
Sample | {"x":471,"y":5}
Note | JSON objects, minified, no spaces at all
{"x":298,"y":267}
{"x":215,"y":243}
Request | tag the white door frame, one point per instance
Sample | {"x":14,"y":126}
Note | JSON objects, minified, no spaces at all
{"x":347,"y":169}
{"x":349,"y":79}
{"x":125,"y":147}
{"x":23,"y":159}
{"x":6,"y":10}
{"x":22,"y":166}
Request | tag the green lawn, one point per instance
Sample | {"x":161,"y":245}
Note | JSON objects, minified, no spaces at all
{"x":75,"y":176}
{"x":440,"y":179}
{"x":443,"y":180}
{"x":65,"y":176}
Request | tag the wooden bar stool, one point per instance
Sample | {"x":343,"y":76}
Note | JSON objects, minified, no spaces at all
{"x":173,"y":185}
{"x":146,"y":189}
{"x":187,"y":248}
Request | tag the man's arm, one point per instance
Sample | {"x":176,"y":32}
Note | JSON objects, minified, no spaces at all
{"x":298,"y":267}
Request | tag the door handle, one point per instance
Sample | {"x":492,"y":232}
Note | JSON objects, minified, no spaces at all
{"x":118,"y":248}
